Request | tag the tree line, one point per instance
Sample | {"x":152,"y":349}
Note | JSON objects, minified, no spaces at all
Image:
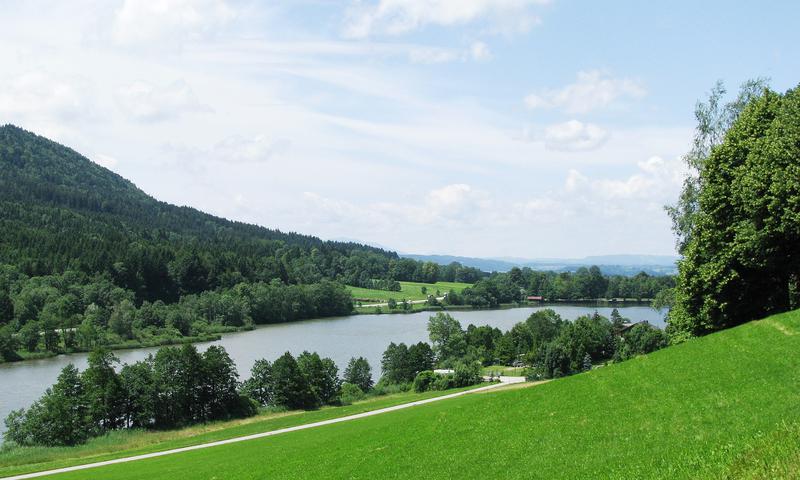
{"x":75,"y":312}
{"x":584,"y":284}
{"x":177,"y":387}
{"x":545,"y":343}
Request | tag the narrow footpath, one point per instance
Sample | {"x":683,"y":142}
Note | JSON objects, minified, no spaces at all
{"x":503,"y":381}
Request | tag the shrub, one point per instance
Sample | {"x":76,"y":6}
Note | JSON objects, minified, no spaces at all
{"x":466,"y":374}
{"x":444,"y":382}
{"x":384,"y":388}
{"x":351,"y":393}
{"x":424,"y":381}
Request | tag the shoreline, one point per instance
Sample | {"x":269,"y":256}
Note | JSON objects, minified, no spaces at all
{"x":212,"y":337}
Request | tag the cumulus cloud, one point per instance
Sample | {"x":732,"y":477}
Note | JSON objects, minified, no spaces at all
{"x":574,"y":136}
{"x":145,"y":102}
{"x":656,"y":182}
{"x":395,"y":17}
{"x":571,"y":136}
{"x":592,"y":90}
{"x":150,"y":21}
{"x":457,"y":203}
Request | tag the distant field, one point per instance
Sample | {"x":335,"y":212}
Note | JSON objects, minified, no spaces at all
{"x":408,"y":291}
{"x":723,"y":406}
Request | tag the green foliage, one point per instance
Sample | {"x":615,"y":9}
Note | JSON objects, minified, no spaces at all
{"x":424,"y":381}
{"x":351,"y":393}
{"x":640,"y":339}
{"x":740,"y":242}
{"x":401,"y":364}
{"x":447,"y":337}
{"x":259,"y":385}
{"x":290,"y":387}
{"x":177,"y":386}
{"x":60,"y":417}
{"x":466,"y":374}
{"x":585,"y":283}
{"x":359,"y":373}
{"x":8,"y":344}
{"x":322,"y":376}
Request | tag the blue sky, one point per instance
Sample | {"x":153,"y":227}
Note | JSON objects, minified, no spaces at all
{"x":527,"y":128}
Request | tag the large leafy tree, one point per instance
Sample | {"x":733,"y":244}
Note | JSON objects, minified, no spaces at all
{"x":738,"y":220}
{"x":359,"y":372}
{"x":290,"y":388}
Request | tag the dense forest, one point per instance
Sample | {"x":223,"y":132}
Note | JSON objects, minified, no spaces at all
{"x":87,"y":259}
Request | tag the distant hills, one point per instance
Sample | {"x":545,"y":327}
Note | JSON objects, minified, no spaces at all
{"x":60,"y":211}
{"x":609,"y":264}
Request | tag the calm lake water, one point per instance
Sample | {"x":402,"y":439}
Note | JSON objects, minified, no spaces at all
{"x":339,"y":338}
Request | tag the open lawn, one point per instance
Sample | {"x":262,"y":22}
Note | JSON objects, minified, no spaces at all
{"x":504,"y":370}
{"x":408,"y":290}
{"x":722,"y":406}
{"x":118,"y":444}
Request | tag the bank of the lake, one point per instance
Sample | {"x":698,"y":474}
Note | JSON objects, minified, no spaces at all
{"x":337,"y":337}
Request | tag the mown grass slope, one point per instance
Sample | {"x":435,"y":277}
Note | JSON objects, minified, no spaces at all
{"x":126,"y":443}
{"x":722,"y":406}
{"x":408,"y":291}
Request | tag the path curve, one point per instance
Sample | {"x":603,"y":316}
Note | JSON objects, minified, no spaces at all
{"x":503,"y":381}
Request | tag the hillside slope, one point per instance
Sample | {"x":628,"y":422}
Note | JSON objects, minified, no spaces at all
{"x":59,"y":211}
{"x":721,"y":406}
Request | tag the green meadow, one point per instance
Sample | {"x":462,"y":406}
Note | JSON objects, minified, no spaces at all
{"x":408,"y":291}
{"x":19,"y":460}
{"x":722,"y":406}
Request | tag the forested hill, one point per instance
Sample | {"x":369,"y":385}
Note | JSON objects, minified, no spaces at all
{"x":60,"y":211}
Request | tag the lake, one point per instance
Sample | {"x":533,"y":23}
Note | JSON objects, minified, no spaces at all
{"x":339,"y":338}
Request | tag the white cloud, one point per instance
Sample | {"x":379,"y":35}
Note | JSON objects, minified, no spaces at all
{"x":146,"y":102}
{"x":456,"y":203}
{"x":570,"y":136}
{"x":39,"y":94}
{"x":656,"y":183}
{"x":431,"y":55}
{"x":574,"y":136}
{"x":235,"y":149}
{"x":238,"y":149}
{"x":395,"y":17}
{"x":479,"y":51}
{"x":592,"y":90}
{"x":164,"y":21}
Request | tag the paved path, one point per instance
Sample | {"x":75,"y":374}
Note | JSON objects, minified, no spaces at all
{"x":503,"y":380}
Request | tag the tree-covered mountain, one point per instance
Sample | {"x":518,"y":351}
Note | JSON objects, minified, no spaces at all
{"x":88,"y":259}
{"x":61,"y":211}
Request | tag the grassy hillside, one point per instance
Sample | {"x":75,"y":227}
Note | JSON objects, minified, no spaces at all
{"x":19,"y":460}
{"x":408,"y":291}
{"x":722,"y":406}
